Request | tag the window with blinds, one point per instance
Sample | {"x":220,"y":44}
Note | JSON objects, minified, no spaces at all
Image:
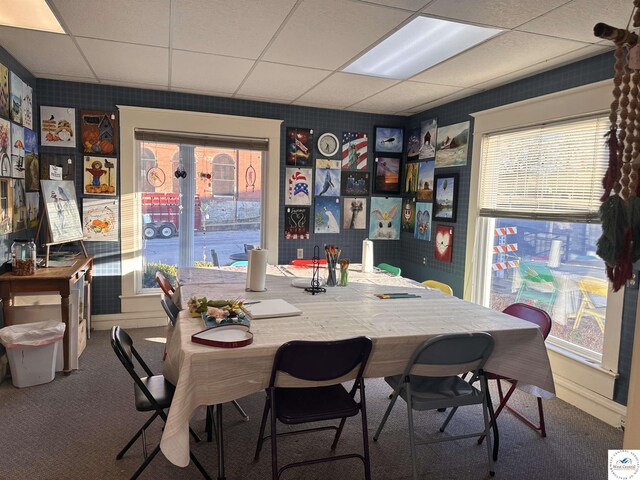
{"x":547,"y":172}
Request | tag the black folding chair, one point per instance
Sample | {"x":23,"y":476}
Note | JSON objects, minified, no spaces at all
{"x":170,"y":308}
{"x":316,"y":362}
{"x":153,"y":393}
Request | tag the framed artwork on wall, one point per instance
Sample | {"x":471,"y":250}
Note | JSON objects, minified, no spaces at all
{"x":5,"y":148}
{"x":6,"y":206}
{"x":408,"y":214}
{"x":33,"y":209}
{"x":299,"y":186}
{"x":100,"y":176}
{"x":99,"y":132}
{"x":31,"y":163}
{"x":354,"y":150}
{"x":425,"y":180}
{"x":327,"y":215}
{"x":384,"y":223}
{"x":355,"y":213}
{"x":423,"y":221}
{"x":15,"y":86}
{"x":297,"y":223}
{"x":387,"y":175}
{"x":58,"y":127}
{"x":389,"y":139}
{"x":413,"y":144}
{"x":299,"y":143}
{"x":444,"y":243}
{"x":354,"y":184}
{"x":446,"y":197}
{"x":453,"y":145}
{"x":428,"y":132}
{"x":327,"y":178}
{"x":100,"y":219}
{"x":4,"y":92}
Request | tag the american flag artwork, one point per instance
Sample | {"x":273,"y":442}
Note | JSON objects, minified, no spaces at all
{"x":354,"y":150}
{"x":299,"y":186}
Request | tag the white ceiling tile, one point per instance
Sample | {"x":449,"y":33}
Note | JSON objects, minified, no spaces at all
{"x":574,"y":56}
{"x":127,"y":62}
{"x":576,"y":19}
{"x":498,"y":13}
{"x":344,"y":89}
{"x":405,"y":95}
{"x":282,"y":82}
{"x":201,"y":71}
{"x":55,"y":53}
{"x":240,"y":28}
{"x":328,"y":33}
{"x":145,"y":22}
{"x":499,"y":56}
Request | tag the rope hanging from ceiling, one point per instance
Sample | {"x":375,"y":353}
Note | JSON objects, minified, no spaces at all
{"x":619,"y":245}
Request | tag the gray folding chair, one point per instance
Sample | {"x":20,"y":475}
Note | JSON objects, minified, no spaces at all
{"x":430,"y":381}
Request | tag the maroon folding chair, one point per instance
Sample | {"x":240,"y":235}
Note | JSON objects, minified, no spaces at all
{"x":543,"y":320}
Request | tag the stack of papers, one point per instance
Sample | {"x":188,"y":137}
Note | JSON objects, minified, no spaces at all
{"x":270,"y":309}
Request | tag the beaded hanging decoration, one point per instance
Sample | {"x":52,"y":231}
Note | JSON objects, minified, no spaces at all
{"x":619,"y":245}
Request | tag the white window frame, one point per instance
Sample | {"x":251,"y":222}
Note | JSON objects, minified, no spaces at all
{"x":132,"y":118}
{"x":592,"y":99}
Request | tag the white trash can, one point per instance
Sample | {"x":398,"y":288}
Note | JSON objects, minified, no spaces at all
{"x":32,"y":350}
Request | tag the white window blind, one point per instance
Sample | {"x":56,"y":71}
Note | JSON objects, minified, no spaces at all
{"x":547,"y":172}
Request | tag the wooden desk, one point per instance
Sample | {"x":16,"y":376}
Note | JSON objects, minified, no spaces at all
{"x":58,"y":279}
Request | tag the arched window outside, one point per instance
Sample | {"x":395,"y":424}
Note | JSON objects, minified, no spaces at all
{"x":223,"y":172}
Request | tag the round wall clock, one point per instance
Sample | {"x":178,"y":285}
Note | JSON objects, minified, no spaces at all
{"x":156,"y":177}
{"x":328,"y":144}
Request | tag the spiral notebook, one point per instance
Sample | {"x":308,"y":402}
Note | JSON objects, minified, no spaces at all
{"x":275,"y":307}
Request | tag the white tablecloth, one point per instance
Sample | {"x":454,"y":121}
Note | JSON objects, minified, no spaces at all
{"x":207,"y":375}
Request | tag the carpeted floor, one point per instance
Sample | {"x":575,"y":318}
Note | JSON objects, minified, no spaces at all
{"x":73,"y":427}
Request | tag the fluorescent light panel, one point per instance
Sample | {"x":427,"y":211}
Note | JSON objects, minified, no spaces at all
{"x":29,"y":14}
{"x":420,"y":44}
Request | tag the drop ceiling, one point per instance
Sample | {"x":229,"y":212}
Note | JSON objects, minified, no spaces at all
{"x":293,"y":51}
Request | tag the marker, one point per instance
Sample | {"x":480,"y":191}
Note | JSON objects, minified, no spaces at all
{"x":250,"y":303}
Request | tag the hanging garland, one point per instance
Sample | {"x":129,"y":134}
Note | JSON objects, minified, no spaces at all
{"x":619,"y":245}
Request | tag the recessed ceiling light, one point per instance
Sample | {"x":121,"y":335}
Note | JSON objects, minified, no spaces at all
{"x":418,"y":45}
{"x":29,"y":14}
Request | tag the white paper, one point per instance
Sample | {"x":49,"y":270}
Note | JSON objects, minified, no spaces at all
{"x":275,"y":307}
{"x":55,"y":172}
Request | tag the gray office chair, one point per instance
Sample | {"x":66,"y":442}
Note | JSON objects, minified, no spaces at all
{"x":443,"y":358}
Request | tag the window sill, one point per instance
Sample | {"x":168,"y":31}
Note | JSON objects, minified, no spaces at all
{"x":581,"y":371}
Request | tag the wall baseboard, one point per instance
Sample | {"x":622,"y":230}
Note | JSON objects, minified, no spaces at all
{"x":590,"y":402}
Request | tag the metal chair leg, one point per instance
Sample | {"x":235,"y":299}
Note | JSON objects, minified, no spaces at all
{"x":338,"y":433}
{"x":412,"y":440}
{"x":145,"y":463}
{"x":240,"y":410}
{"x":136,"y":436}
{"x":263,"y":424}
{"x":394,"y":397}
{"x":199,"y":467}
{"x":365,"y":434}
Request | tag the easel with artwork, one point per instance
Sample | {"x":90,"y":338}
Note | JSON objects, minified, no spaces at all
{"x":62,"y":215}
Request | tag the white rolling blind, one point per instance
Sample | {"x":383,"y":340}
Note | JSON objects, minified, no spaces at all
{"x":547,"y":172}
